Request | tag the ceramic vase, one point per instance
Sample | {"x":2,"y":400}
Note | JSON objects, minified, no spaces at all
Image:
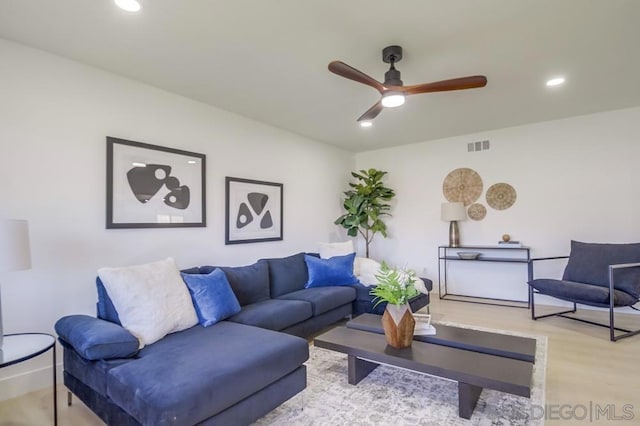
{"x":398,"y":325}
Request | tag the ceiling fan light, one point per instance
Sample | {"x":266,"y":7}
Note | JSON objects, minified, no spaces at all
{"x":392,"y":99}
{"x":128,"y":5}
{"x":366,"y":123}
{"x":558,"y":81}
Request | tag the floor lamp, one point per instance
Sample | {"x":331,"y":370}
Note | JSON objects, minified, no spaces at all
{"x":453,"y":212}
{"x":15,"y":254}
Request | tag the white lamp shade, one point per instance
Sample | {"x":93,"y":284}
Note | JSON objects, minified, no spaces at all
{"x":453,"y":211}
{"x":15,"y":253}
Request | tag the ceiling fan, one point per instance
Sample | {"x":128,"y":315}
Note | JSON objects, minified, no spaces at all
{"x":392,"y":90}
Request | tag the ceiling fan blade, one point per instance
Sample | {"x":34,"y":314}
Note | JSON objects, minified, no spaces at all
{"x":372,"y":112}
{"x":445,"y":85}
{"x":346,"y":71}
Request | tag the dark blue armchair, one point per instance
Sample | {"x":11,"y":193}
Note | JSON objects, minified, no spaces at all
{"x":601,"y":275}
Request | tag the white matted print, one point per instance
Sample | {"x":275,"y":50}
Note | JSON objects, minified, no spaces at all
{"x":253,"y":211}
{"x":150,"y":186}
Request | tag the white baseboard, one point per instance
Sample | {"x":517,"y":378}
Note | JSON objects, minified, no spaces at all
{"x":28,"y":381}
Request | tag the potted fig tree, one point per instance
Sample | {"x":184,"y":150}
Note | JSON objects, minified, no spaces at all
{"x":366,"y":203}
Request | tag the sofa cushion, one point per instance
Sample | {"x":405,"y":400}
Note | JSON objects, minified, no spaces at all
{"x":330,"y":272}
{"x":287,"y":274}
{"x":151,"y":299}
{"x":212,"y":296}
{"x":589,"y":263}
{"x":587,"y":294}
{"x":249,"y":283}
{"x":177,"y":382}
{"x":93,"y":338}
{"x":323,"y":299}
{"x":274,"y":314}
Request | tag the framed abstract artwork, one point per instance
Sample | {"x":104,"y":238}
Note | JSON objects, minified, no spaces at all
{"x":150,"y":186}
{"x":253,"y":211}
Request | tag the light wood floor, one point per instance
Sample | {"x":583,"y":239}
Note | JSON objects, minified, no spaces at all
{"x":584,"y":369}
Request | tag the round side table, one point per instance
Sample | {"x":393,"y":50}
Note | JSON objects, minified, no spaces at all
{"x":17,"y":348}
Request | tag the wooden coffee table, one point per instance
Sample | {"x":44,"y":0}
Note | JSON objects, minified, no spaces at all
{"x":456,"y":353}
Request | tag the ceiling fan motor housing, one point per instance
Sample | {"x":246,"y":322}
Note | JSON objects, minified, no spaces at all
{"x":391,"y":55}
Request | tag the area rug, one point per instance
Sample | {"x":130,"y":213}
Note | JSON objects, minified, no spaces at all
{"x":391,"y":396}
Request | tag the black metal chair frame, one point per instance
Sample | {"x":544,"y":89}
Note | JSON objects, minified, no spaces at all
{"x":611,"y":326}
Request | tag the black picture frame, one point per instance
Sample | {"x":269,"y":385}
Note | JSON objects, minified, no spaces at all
{"x":253,"y":211}
{"x":151,"y":186}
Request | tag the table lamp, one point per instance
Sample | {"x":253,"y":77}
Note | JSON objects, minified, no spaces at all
{"x":453,"y":212}
{"x":15,"y":254}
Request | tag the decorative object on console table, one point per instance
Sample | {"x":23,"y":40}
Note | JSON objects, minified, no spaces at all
{"x":150,"y":186}
{"x":396,"y":287}
{"x":15,"y":254}
{"x":253,"y":211}
{"x":508,"y":242}
{"x":453,"y":212}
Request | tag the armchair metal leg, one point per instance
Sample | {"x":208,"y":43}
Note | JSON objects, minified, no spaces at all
{"x":533,"y":308}
{"x":611,"y":326}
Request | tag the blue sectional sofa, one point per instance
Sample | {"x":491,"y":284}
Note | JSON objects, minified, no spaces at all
{"x":230,"y":373}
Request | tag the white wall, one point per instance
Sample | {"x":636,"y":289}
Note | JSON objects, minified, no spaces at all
{"x":54,"y":117}
{"x":575,"y":178}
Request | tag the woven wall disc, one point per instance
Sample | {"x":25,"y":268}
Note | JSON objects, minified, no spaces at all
{"x":462,"y":185}
{"x":477,"y":211}
{"x":501,"y":196}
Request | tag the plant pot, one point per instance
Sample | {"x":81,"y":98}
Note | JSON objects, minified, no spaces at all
{"x":398,"y":325}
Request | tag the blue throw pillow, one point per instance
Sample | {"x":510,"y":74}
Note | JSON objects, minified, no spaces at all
{"x":337,"y":270}
{"x":93,"y":338}
{"x":212,"y":296}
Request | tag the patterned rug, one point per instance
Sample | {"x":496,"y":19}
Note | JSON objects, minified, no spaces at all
{"x":391,"y":396}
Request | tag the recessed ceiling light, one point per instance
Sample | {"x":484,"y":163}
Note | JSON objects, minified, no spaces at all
{"x":138,"y":165}
{"x":366,"y":124}
{"x":191,"y":161}
{"x":555,"y":81}
{"x":129,"y":5}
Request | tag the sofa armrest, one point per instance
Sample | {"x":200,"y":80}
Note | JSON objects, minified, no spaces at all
{"x":94,"y":339}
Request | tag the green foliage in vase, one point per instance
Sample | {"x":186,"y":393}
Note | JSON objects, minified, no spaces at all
{"x":395,"y":286}
{"x":365,"y":204}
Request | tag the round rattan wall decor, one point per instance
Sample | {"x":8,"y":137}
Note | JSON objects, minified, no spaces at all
{"x":462,"y":185}
{"x":477,"y":211}
{"x":501,"y":196}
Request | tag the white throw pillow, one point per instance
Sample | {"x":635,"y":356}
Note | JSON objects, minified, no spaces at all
{"x":419,"y":285}
{"x":151,"y":299}
{"x":367,"y":269}
{"x":328,"y":250}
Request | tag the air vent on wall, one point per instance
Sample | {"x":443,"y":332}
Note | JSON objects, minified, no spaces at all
{"x":478,"y":146}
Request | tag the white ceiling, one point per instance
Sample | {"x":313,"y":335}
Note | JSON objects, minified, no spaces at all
{"x":267,"y":60}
